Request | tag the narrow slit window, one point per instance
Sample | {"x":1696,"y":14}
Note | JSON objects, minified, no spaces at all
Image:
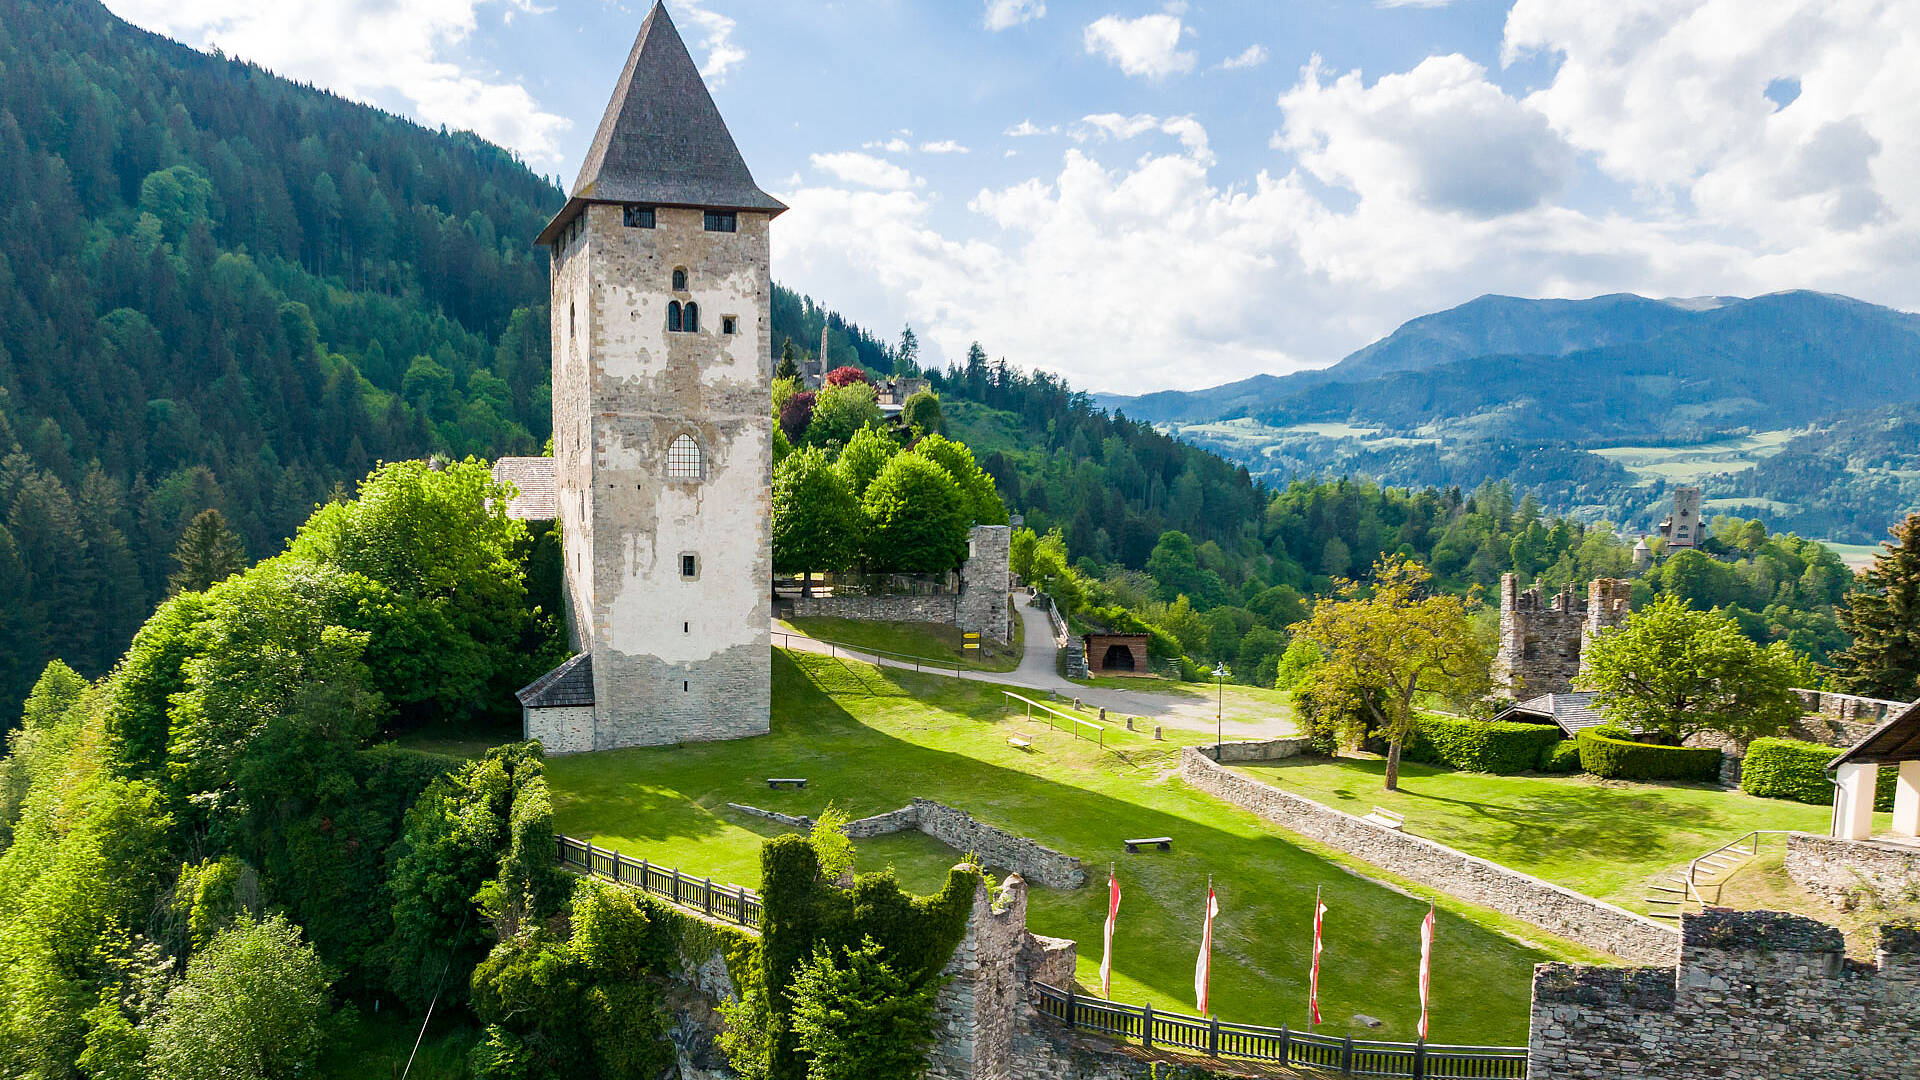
{"x":684,"y":460}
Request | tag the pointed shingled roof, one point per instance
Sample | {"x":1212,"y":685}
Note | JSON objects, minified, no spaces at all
{"x":662,"y":141}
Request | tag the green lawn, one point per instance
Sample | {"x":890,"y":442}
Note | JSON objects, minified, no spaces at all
{"x":871,"y":739}
{"x":1233,"y":701}
{"x":1605,"y":838}
{"x":932,"y":641}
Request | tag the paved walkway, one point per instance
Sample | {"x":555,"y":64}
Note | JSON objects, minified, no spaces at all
{"x":1184,"y":707}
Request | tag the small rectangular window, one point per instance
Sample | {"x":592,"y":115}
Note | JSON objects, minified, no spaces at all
{"x":689,"y":566}
{"x":729,"y":324}
{"x":639,"y":217}
{"x":720,"y":221}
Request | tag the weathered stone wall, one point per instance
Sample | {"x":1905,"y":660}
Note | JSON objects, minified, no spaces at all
{"x":1847,"y":871}
{"x":565,"y":729}
{"x":1593,"y":923}
{"x":985,"y":579}
{"x":1841,"y":719}
{"x":902,"y":607}
{"x":1260,"y":750}
{"x":676,"y":657}
{"x":1754,"y":996}
{"x":1541,"y":639}
{"x":960,"y":831}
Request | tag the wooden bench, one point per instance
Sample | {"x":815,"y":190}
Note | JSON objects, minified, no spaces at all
{"x":1164,"y":843}
{"x":1386,"y":819}
{"x":777,"y":781}
{"x":1020,"y":740}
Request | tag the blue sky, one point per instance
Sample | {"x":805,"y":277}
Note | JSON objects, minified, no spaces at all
{"x":1160,"y":194}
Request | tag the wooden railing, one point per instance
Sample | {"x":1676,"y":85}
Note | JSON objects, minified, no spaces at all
{"x":1217,"y":1038}
{"x":733,"y":903}
{"x":866,"y":654}
{"x":1099,"y":732}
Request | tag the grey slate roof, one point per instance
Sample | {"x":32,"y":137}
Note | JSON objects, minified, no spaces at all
{"x":662,"y":141}
{"x":569,"y":684}
{"x":1572,"y":711}
{"x":534,"y":477}
{"x":1896,"y":739}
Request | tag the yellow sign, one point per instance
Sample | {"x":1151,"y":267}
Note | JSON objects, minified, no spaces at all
{"x":971,"y":645}
{"x":971,"y":635}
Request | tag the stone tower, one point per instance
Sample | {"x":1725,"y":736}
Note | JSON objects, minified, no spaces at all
{"x":662,"y":440}
{"x":1541,"y":639}
{"x":1683,"y":528}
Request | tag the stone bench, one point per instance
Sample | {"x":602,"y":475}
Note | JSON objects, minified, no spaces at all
{"x":1164,"y":843}
{"x":774,"y":782}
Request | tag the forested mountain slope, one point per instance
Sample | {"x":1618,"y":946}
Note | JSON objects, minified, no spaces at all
{"x":220,"y":288}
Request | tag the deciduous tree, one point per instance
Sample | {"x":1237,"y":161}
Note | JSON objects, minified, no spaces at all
{"x":1383,"y":646}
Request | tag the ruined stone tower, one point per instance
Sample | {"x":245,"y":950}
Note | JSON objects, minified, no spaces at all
{"x":662,"y":439}
{"x":1541,"y":640}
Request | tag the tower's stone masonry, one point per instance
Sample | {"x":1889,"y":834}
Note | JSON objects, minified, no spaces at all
{"x":985,"y":579}
{"x":1541,"y":639}
{"x":1757,"y":995}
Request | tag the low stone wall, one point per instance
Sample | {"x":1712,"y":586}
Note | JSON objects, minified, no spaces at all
{"x":960,"y":831}
{"x":1578,"y":917}
{"x":1841,"y":719}
{"x":1848,"y":871}
{"x":1260,"y":750}
{"x":900,"y":607}
{"x":1755,"y":995}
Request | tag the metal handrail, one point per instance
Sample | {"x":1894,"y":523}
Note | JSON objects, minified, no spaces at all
{"x":1219,"y":1038}
{"x":1739,"y":844}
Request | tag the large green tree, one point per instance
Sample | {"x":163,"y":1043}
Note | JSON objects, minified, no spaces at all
{"x":1882,"y":613}
{"x":208,"y":552}
{"x":916,"y":518}
{"x":1681,"y":671}
{"x":1385,"y":643}
{"x":816,"y":519}
{"x":856,"y":1018}
{"x":983,"y":505}
{"x":839,"y":412}
{"x":253,"y":1006}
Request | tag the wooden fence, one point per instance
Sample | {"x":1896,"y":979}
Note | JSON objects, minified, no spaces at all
{"x":734,"y":903}
{"x":1217,"y":1038}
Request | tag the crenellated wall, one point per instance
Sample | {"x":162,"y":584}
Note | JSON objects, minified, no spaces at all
{"x":1755,"y":995}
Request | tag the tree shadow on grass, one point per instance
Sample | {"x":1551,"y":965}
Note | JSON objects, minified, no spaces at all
{"x":1266,"y":883}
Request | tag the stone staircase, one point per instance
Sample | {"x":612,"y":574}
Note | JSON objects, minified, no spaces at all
{"x":1692,"y":890}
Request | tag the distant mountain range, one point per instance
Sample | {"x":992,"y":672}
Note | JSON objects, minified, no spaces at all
{"x":1524,"y":387}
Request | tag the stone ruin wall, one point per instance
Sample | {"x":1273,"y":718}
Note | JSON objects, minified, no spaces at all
{"x":1541,"y":639}
{"x":980,"y":606}
{"x":1755,"y":996}
{"x":960,"y":831}
{"x":1849,"y":872}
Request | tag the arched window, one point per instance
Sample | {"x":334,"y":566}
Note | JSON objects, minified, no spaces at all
{"x":673,"y":317}
{"x":692,"y":321}
{"x":679,"y":279}
{"x":684,"y":461}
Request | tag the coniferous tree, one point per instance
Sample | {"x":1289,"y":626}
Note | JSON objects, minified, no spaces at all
{"x":789,"y":368}
{"x":1883,"y":615}
{"x":208,"y":552}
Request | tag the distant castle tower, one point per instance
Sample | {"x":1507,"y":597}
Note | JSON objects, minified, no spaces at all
{"x":1541,"y":640}
{"x":662,"y":440}
{"x":1683,"y":527}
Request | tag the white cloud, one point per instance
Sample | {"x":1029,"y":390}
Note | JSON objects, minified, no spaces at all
{"x":1254,"y":55}
{"x":723,"y":54}
{"x":851,"y":167}
{"x":1027,"y":129}
{"x":1441,"y":136}
{"x":1004,"y":14}
{"x":943,"y":146}
{"x":367,"y":50}
{"x":895,"y":145}
{"x":1116,"y":126}
{"x":1148,"y":46}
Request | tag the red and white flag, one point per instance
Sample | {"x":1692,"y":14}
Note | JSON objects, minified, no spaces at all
{"x":1106,"y":955}
{"x":1426,"y":966}
{"x":1203,"y":968}
{"x":1313,"y":979}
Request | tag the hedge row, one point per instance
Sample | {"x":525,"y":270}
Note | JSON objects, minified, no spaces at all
{"x":1791,"y":769}
{"x":1607,"y":751}
{"x":1562,"y":757}
{"x":1489,"y":746}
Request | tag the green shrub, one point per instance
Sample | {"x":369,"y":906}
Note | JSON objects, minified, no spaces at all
{"x":1791,"y":769}
{"x":1561,"y":757}
{"x":1606,"y":751}
{"x":1489,"y":746}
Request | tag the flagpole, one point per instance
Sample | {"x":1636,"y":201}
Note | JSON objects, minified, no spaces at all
{"x":1313,"y":977}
